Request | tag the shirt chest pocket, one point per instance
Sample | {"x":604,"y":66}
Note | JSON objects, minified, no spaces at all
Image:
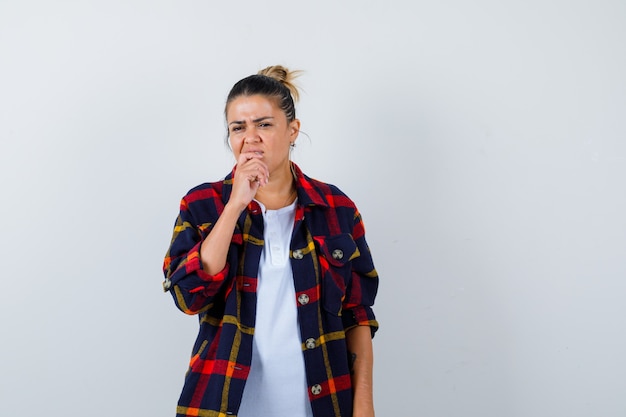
{"x":335,"y":258}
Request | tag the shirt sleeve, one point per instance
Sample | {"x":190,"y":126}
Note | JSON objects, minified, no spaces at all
{"x":362,"y":288}
{"x":192,"y":288}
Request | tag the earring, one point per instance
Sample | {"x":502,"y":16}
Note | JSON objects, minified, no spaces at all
{"x":292,"y":145}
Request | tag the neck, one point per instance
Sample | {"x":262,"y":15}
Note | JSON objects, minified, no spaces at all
{"x":279,"y":191}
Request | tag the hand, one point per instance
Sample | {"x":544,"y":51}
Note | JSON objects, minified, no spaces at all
{"x":251,"y":173}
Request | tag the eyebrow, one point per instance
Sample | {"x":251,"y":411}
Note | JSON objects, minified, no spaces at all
{"x":240,"y":122}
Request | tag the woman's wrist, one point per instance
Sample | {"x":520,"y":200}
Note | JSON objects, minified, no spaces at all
{"x":234,"y":208}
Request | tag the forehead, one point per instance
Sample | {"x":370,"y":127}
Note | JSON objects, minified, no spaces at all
{"x":251,"y":107}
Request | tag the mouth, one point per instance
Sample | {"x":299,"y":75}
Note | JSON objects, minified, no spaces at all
{"x":254,"y":150}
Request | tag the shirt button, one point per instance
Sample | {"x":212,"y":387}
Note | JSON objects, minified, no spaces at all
{"x":297,"y":254}
{"x":338,"y":254}
{"x":303,"y":299}
{"x":316,"y":389}
{"x":310,"y":343}
{"x":167,"y":284}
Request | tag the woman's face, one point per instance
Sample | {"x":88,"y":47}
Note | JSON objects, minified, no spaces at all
{"x":257,"y":124}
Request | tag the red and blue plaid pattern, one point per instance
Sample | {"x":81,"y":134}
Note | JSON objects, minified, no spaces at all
{"x":335,"y":284}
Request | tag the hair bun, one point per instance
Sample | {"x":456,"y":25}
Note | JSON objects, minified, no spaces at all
{"x":283,"y":76}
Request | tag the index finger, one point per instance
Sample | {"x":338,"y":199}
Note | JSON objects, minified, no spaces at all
{"x":246,"y":156}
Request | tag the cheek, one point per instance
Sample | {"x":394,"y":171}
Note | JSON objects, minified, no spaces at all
{"x":235,"y":143}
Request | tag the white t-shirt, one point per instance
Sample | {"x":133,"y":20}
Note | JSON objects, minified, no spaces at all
{"x":276,"y":386}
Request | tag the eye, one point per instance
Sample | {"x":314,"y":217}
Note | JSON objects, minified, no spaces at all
{"x":236,"y":129}
{"x":265,"y":124}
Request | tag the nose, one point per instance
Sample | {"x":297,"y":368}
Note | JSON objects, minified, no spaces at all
{"x":251,"y":136}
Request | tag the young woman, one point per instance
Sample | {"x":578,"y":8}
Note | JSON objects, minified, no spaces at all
{"x":276,"y":266}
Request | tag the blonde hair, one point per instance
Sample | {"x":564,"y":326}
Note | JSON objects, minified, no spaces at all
{"x":285,"y":76}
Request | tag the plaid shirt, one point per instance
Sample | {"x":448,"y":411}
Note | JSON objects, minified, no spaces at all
{"x":335,"y":283}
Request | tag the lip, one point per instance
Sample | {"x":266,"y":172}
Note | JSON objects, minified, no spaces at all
{"x":253,"y":150}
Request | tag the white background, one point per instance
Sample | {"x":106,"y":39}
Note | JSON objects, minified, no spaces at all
{"x":484,"y":143}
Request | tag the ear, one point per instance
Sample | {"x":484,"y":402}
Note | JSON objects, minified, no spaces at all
{"x":294,"y":130}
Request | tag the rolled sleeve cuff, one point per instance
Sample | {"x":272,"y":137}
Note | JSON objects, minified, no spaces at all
{"x":359,"y":316}
{"x":195,"y":278}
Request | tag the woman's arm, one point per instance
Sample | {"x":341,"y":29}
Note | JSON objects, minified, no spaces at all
{"x":195,"y":268}
{"x":250,"y":174}
{"x":214,"y":248}
{"x":359,"y":341}
{"x":191,"y":286}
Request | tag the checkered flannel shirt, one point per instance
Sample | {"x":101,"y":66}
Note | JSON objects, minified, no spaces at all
{"x":335,"y":283}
